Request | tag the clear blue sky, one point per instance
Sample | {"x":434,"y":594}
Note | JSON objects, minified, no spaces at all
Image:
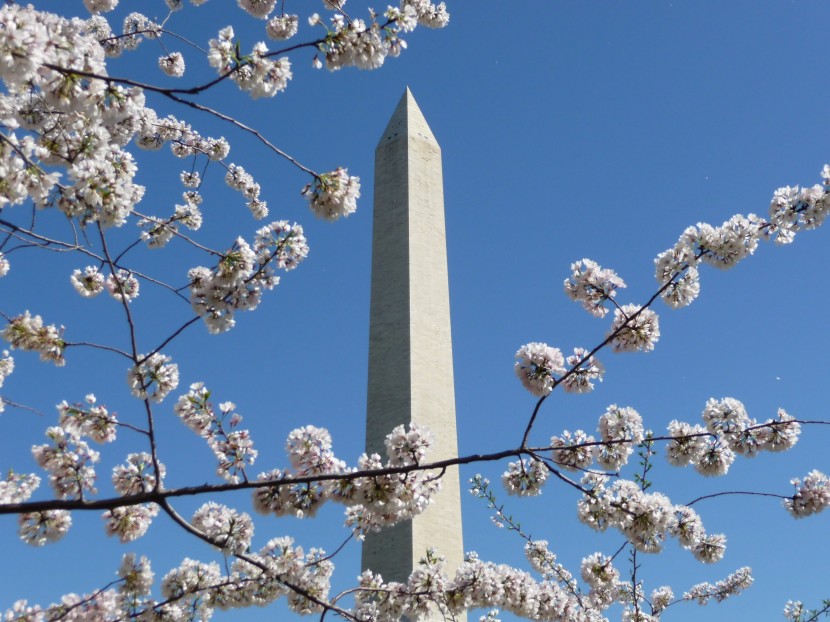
{"x":568,"y":130}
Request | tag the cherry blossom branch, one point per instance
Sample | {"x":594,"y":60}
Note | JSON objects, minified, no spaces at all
{"x":157,"y":496}
{"x":189,"y":528}
{"x":587,"y":357}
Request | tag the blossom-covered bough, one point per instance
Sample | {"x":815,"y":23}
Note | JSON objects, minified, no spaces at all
{"x":68,"y":184}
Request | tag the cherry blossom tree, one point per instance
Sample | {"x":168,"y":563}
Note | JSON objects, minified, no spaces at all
{"x":72,"y":128}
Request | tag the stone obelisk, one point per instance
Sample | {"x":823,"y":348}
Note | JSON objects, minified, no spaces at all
{"x":410,"y":349}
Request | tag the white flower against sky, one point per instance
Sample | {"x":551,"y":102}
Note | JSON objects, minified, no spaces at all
{"x":537,"y":364}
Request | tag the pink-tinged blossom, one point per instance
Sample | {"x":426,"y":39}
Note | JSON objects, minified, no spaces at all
{"x":310,"y":451}
{"x":780,"y":434}
{"x":687,"y":528}
{"x":635,"y":333}
{"x":102,"y":188}
{"x":783,"y":211}
{"x":723,"y":247}
{"x":237,"y":282}
{"x":18,"y":487}
{"x":710,"y":548}
{"x":684,"y":290}
{"x":157,"y":232}
{"x":136,"y":576}
{"x":643,"y":518}
{"x":22,"y":177}
{"x":68,"y":460}
{"x":172,"y":64}
{"x":677,"y":266}
{"x":525,"y":477}
{"x":620,"y":428}
{"x":732,"y":585}
{"x":598,"y":571}
{"x":726,"y":417}
{"x":189,"y":214}
{"x":129,"y":522}
{"x":222,"y":51}
{"x":137,"y":475}
{"x":190,"y":179}
{"x":92,"y":420}
{"x":333,"y":195}
{"x":544,"y":562}
{"x":88,"y":283}
{"x":282,"y":27}
{"x":429,"y":14}
{"x":374,"y":502}
{"x":122,"y":285}
{"x":536,"y":365}
{"x":715,"y":459}
{"x":581,"y":379}
{"x":688,"y":444}
{"x":100,"y":6}
{"x":591,"y":285}
{"x":794,"y":208}
{"x":38,"y":528}
{"x":794,"y":611}
{"x":229,"y":530}
{"x":257,"y":8}
{"x":570,"y":451}
{"x":234,"y":450}
{"x":186,"y":583}
{"x":405,"y":447}
{"x":27,"y":332}
{"x":154,"y":377}
{"x":260,"y":76}
{"x":661,"y":598}
{"x":281,"y":244}
{"x":812,"y":495}
{"x":354,"y":43}
{"x":138,"y":27}
{"x":195,"y":410}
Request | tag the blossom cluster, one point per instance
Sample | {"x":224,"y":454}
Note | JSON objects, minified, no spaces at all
{"x":17,"y":487}
{"x":84,"y":125}
{"x":27,"y":332}
{"x":792,"y":209}
{"x":236,"y":283}
{"x":229,"y":530}
{"x":333,"y":195}
{"x":354,"y":43}
{"x":137,"y":475}
{"x":254,"y":73}
{"x":592,"y":285}
{"x":735,"y":583}
{"x":644,"y":518}
{"x":129,"y":522}
{"x":373,"y":501}
{"x":68,"y":460}
{"x":538,"y":365}
{"x":480,"y":584}
{"x":234,"y":449}
{"x":92,"y":420}
{"x":729,"y":430}
{"x":153,"y":377}
{"x":811,"y":495}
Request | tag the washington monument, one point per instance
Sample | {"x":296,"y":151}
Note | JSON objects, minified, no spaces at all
{"x":410,"y":349}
